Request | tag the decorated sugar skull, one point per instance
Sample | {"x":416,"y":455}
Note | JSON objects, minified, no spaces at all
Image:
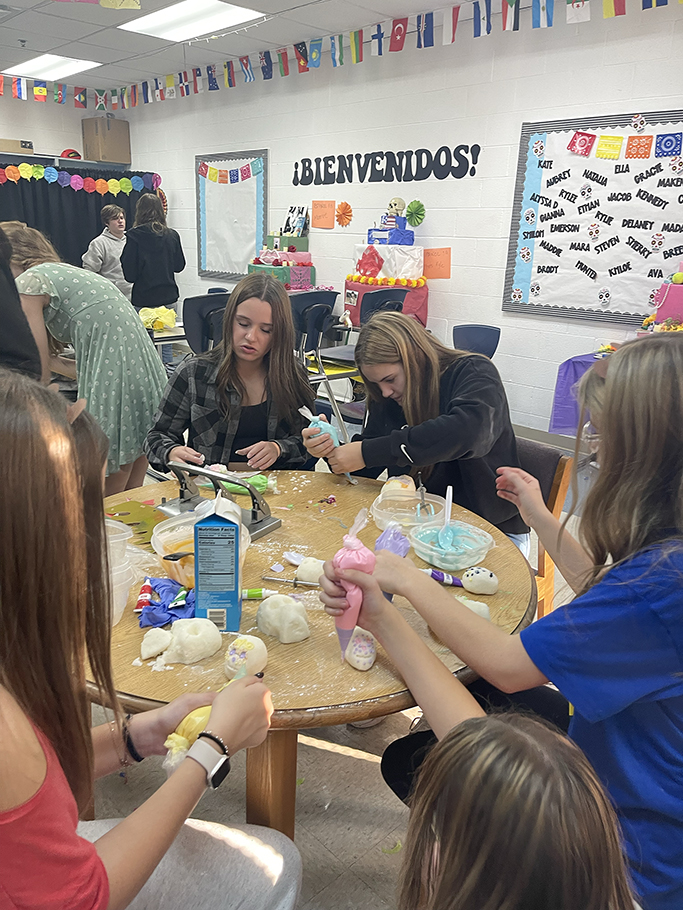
{"x":396,"y":206}
{"x":676,"y":164}
{"x":651,"y":300}
{"x":638,"y":123}
{"x":657,"y":241}
{"x":604,"y":296}
{"x":586,"y":191}
{"x":535,"y":288}
{"x":530,"y":216}
{"x":525,"y":254}
{"x":538,"y":148}
{"x":516,"y":295}
{"x":594,"y":231}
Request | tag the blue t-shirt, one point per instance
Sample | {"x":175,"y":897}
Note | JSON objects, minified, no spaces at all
{"x":617,"y":654}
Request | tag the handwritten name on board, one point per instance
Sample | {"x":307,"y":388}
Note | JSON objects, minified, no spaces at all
{"x":437,"y":262}
{"x":322,"y":213}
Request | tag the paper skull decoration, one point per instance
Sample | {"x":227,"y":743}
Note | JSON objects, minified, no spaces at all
{"x":530,"y":216}
{"x":657,"y":241}
{"x":604,"y":296}
{"x":676,"y":164}
{"x":594,"y":231}
{"x":586,"y":191}
{"x":535,"y":288}
{"x":516,"y":295}
{"x":651,"y":299}
{"x":525,"y":254}
{"x":396,"y":206}
{"x":638,"y":123}
{"x":538,"y":148}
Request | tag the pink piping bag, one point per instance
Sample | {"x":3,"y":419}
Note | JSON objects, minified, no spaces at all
{"x":353,"y":555}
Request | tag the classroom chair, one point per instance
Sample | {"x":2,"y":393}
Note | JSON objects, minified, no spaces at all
{"x":371,"y":303}
{"x":203,"y":320}
{"x":479,"y":339}
{"x":552,"y":468}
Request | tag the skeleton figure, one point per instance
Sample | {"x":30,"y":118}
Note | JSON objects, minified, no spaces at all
{"x":594,"y":231}
{"x":657,"y":241}
{"x":535,"y":288}
{"x":525,"y":254}
{"x":586,"y":191}
{"x":396,"y":206}
{"x":604,"y":296}
{"x":516,"y":295}
{"x":530,"y":216}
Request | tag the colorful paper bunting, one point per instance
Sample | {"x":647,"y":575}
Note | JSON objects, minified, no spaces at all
{"x":137,"y":183}
{"x":64,"y":178}
{"x":76,"y":182}
{"x":12,"y":173}
{"x":38,"y":171}
{"x":26,"y":170}
{"x":581,"y":143}
{"x":126,"y":185}
{"x":89,"y":185}
{"x":114,"y":186}
{"x":101,"y":186}
{"x":50,"y":174}
{"x":609,"y":147}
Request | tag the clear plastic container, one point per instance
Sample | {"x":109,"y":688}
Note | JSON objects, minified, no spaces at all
{"x":470,"y":545}
{"x":407,"y":510}
{"x":121,"y":579}
{"x":118,"y":535}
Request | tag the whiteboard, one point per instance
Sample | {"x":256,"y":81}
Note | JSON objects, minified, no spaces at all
{"x":232,"y":210}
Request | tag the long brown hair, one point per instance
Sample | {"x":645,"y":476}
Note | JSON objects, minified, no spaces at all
{"x":509,"y":815}
{"x":29,"y":246}
{"x":149,"y":210}
{"x":285,"y":380}
{"x":54,"y":579}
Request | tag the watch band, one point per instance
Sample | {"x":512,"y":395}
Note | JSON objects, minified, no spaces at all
{"x":217,"y":766}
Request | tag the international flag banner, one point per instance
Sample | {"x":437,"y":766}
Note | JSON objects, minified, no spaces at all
{"x":399,"y":29}
{"x":60,"y":92}
{"x":356,"y":42}
{"x":283,"y":61}
{"x":80,"y":97}
{"x":229,"y":74}
{"x":197,"y":81}
{"x":577,"y":11}
{"x":377,"y":41}
{"x":450,"y":23}
{"x":133,"y":95}
{"x":510,"y":15}
{"x":337,"y":49}
{"x":211,"y":79}
{"x":245,"y":172}
{"x":19,"y":90}
{"x":39,"y":90}
{"x":159,"y":93}
{"x":170,"y":87}
{"x":123,"y":98}
{"x":301,"y":53}
{"x":100,"y":100}
{"x":266,"y":64}
{"x":481,"y":20}
{"x":425,"y":30}
{"x":247,"y":71}
{"x":147,"y":93}
{"x":114,"y":98}
{"x":315,"y":50}
{"x":542,"y":13}
{"x":612,"y":8}
{"x":184,"y":84}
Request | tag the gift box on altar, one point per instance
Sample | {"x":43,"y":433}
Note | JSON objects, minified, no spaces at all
{"x":669,"y":300}
{"x":389,"y":261}
{"x":284,"y":241}
{"x":392,"y":231}
{"x":296,"y":276}
{"x":416,"y":303}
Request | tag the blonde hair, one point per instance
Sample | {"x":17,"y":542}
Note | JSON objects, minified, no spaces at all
{"x":29,"y":246}
{"x":509,"y":815}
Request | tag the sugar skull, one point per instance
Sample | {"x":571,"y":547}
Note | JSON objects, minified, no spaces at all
{"x":396,"y":206}
{"x":594,"y":230}
{"x":516,"y":295}
{"x":604,"y":296}
{"x":657,"y":242}
{"x":586,"y":191}
{"x":538,"y":148}
{"x":525,"y":254}
{"x":530,"y":216}
{"x":535,"y":288}
{"x":676,"y":164}
{"x":651,"y":299}
{"x":638,"y":123}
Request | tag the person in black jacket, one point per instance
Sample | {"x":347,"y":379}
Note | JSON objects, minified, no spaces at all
{"x":18,"y":349}
{"x":434,"y":410}
{"x":152,"y":255}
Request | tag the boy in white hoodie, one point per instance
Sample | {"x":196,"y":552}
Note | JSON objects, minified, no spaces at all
{"x":104,"y":253}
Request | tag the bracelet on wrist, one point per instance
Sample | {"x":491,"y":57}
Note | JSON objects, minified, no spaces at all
{"x":207,"y":734}
{"x":128,"y":741}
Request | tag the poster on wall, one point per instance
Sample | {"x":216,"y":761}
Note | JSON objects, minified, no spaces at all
{"x":597,"y":220}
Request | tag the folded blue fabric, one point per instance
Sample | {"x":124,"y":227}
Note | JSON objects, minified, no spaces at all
{"x":166,"y":609}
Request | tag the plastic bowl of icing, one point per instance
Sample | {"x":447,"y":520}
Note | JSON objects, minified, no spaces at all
{"x":407,"y":510}
{"x":118,"y":535}
{"x":470,"y":545}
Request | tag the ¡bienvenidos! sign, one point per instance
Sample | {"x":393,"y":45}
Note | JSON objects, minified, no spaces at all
{"x":388,"y":167}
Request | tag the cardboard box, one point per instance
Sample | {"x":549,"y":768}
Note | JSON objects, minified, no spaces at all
{"x":16,"y":146}
{"x":106,"y":139}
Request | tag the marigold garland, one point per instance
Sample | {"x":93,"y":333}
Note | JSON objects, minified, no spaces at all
{"x":388,"y":282}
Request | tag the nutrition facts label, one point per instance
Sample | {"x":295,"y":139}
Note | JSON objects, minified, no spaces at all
{"x":216,"y":558}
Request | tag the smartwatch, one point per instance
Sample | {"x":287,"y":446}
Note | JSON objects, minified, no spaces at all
{"x":217,"y":766}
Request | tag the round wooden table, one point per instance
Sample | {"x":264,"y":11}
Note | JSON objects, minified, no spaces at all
{"x":309,"y":684}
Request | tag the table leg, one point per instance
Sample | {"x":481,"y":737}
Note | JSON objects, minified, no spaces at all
{"x":271,"y":782}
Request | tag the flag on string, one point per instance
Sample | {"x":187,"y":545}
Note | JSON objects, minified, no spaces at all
{"x":133,"y":95}
{"x":229,"y":74}
{"x":245,"y":172}
{"x":399,"y":29}
{"x":147,"y":92}
{"x":100,"y":100}
{"x":648,"y":4}
{"x":203,"y":169}
{"x":542,"y":13}
{"x":510,"y":10}
{"x":222,"y":176}
{"x":60,"y":92}
{"x":337,"y":49}
{"x":80,"y":97}
{"x":2,"y":84}
{"x":577,"y":11}
{"x":301,"y":53}
{"x":283,"y":61}
{"x":425,"y":30}
{"x":450,"y":23}
{"x":123,"y":98}
{"x":356,"y":43}
{"x":114,"y":99}
{"x":183,"y":84}
{"x":481,"y":21}
{"x":315,"y":52}
{"x":247,"y":71}
{"x":159,"y":93}
{"x":612,"y":8}
{"x":19,"y":90}
{"x":170,"y":88}
{"x":377,"y":41}
{"x":211,"y":79}
{"x":197,"y":81}
{"x":266,"y":64}
{"x":39,"y":90}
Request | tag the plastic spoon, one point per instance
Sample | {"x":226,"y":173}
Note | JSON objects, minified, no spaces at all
{"x":174,"y":557}
{"x":445,"y":535}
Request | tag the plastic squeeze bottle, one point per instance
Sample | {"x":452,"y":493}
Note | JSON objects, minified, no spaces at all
{"x":353,"y":555}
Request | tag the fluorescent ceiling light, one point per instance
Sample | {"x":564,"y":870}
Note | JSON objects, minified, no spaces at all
{"x":50,"y":67}
{"x":190,"y":19}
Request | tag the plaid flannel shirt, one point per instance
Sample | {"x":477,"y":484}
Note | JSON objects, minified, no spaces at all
{"x":191,"y":403}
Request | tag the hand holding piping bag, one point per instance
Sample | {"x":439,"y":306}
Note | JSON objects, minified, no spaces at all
{"x":317,"y":423}
{"x":353,"y":555}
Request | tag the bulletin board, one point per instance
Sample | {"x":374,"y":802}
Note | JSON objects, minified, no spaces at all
{"x":232,"y":211}
{"x":597,"y":220}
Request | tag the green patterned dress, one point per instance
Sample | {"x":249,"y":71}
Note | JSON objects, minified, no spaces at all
{"x":119,"y":371}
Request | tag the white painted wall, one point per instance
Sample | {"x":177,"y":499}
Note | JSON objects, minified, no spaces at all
{"x":476,"y":91}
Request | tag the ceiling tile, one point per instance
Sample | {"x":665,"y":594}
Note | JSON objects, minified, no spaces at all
{"x":128,"y":41}
{"x":38,"y":24}
{"x":333,"y":17}
{"x":10,"y":37}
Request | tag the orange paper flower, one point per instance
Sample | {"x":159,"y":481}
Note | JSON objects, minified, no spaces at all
{"x":344,"y":214}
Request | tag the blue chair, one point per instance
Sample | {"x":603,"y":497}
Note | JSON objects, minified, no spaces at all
{"x":203,"y":320}
{"x":479,"y":339}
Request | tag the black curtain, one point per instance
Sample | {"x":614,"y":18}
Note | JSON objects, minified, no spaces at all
{"x":69,"y":218}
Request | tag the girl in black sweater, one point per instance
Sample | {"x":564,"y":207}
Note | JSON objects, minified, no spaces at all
{"x":152,"y":255}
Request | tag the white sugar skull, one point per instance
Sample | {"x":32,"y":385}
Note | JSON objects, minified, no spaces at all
{"x":604,"y":296}
{"x":530,"y":216}
{"x":396,"y":206}
{"x":638,"y":123}
{"x":676,"y":164}
{"x":525,"y":254}
{"x":594,"y":230}
{"x":657,"y":241}
{"x":586,"y":191}
{"x":516,"y":295}
{"x":535,"y":288}
{"x":538,"y":148}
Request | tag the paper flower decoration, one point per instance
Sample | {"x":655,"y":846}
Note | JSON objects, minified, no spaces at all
{"x":89,"y":185}
{"x":156,"y":181}
{"x":76,"y":182}
{"x":3,"y":176}
{"x":114,"y":186}
{"x":26,"y":170}
{"x":126,"y":185}
{"x":344,"y":214}
{"x":64,"y":178}
{"x":164,"y":202}
{"x":12,"y":173}
{"x":137,"y":182}
{"x":38,"y":171}
{"x":415,"y":213}
{"x":102,"y":187}
{"x":147,"y":178}
{"x":50,"y":174}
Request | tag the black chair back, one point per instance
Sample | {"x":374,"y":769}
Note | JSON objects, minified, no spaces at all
{"x":381,"y":299}
{"x":479,"y":339}
{"x":312,"y":316}
{"x":203,"y":320}
{"x":541,"y":461}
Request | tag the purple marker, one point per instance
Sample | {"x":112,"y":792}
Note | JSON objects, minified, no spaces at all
{"x":443,"y":577}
